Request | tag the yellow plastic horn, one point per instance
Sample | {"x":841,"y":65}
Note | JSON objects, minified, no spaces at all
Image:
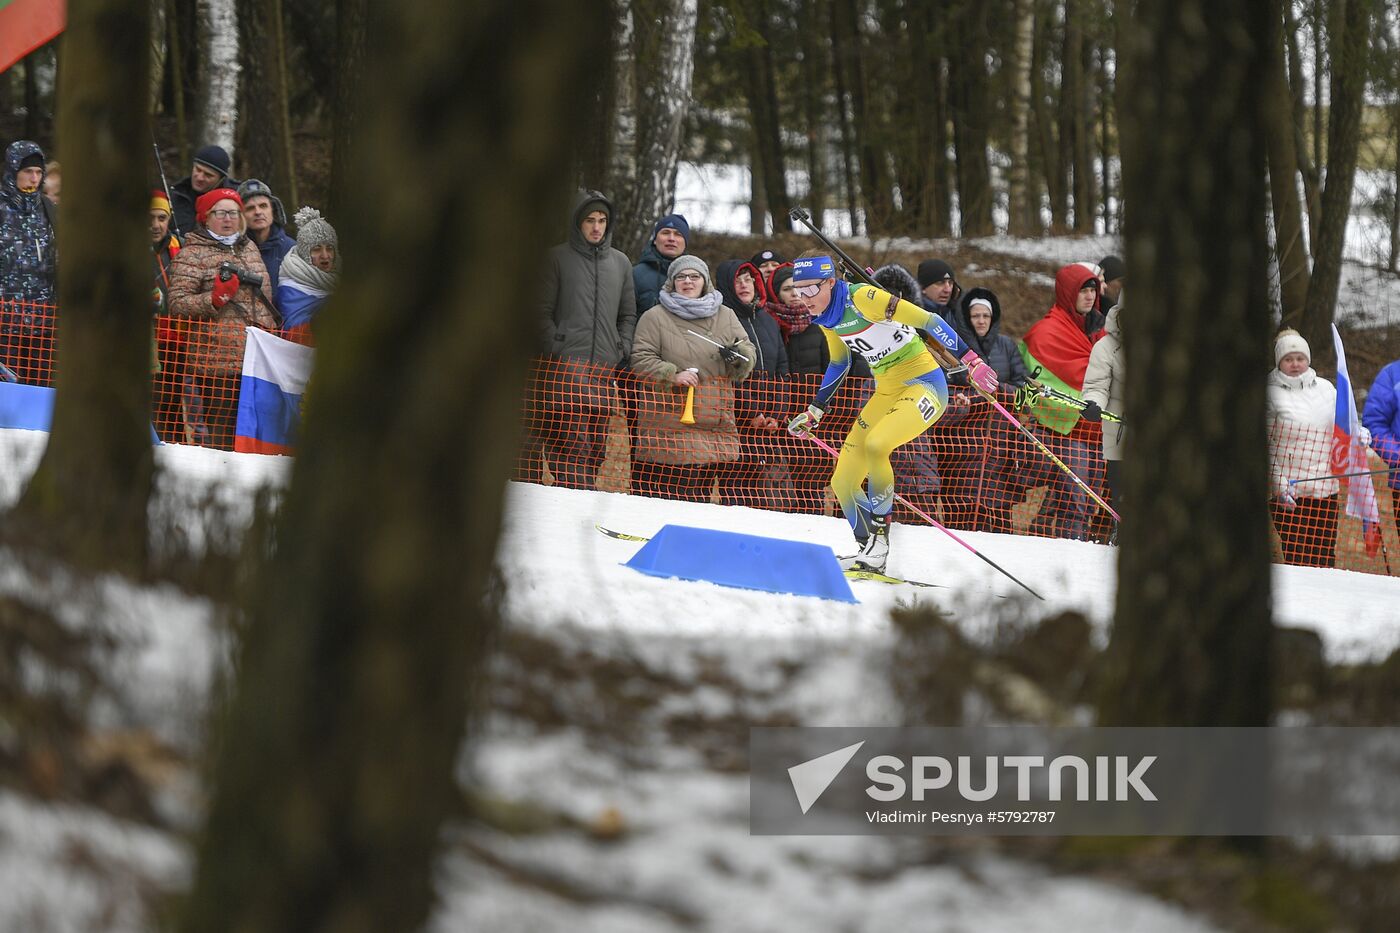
{"x":688,"y":416}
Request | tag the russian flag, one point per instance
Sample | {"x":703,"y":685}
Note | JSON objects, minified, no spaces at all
{"x":275,"y":373}
{"x":1349,"y":454}
{"x":27,"y":24}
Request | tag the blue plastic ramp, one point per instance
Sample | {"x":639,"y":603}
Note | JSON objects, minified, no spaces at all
{"x":29,"y":408}
{"x":749,"y":562}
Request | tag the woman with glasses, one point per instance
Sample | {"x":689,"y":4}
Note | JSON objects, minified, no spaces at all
{"x":910,"y":394}
{"x":689,"y":351}
{"x":223,"y":305}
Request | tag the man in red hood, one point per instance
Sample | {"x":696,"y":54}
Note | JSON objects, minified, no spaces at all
{"x":1056,"y":351}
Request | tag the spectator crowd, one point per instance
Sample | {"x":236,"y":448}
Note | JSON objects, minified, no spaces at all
{"x":222,"y":259}
{"x":704,"y":362}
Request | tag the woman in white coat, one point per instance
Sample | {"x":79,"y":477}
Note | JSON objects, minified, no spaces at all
{"x":1301,"y":409}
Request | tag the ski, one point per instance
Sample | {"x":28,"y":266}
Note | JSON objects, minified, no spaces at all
{"x":867,"y":575}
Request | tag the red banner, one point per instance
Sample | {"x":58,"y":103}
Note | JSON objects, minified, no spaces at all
{"x":27,"y":24}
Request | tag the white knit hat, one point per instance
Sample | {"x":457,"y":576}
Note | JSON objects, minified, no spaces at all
{"x":1290,"y":341}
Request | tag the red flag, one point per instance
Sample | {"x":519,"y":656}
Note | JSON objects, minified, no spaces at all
{"x":27,"y":24}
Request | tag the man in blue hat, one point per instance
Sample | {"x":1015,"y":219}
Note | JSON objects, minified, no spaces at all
{"x":668,"y":239}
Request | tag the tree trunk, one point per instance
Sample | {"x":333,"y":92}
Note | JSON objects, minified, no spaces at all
{"x":1075,"y":122}
{"x":1041,"y":111}
{"x":1291,"y":255}
{"x":970,"y":111}
{"x":876,"y":188}
{"x":218,"y":49}
{"x":1105,"y":92}
{"x":156,"y":48}
{"x":177,"y":85}
{"x":758,"y":200}
{"x":335,"y":769}
{"x":1191,"y":638}
{"x":664,"y":66}
{"x":849,"y":160}
{"x":264,"y":128}
{"x":1321,"y":53}
{"x":1394,"y":263}
{"x":31,"y":96}
{"x":351,"y":39}
{"x":763,"y":107}
{"x":814,"y":70}
{"x":1306,"y":167}
{"x":622,"y":173}
{"x":1349,"y":66}
{"x":1022,"y":219}
{"x":88,"y":497}
{"x":595,"y":150}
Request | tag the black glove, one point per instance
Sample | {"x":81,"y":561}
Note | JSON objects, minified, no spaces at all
{"x":1091,"y":412}
{"x":731,"y":354}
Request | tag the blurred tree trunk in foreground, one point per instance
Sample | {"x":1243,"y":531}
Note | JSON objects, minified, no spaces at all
{"x":1192,"y":628}
{"x":371,"y":624}
{"x":88,"y":497}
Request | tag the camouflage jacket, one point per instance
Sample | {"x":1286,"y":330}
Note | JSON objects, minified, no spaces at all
{"x":28,"y":241}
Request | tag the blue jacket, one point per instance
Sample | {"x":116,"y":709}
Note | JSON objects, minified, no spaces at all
{"x":1381,"y":416}
{"x":277,"y":245}
{"x":648,"y":275}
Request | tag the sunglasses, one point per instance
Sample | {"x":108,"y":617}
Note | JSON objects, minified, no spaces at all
{"x":809,"y":291}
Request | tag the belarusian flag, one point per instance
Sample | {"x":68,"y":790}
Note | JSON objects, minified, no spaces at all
{"x":27,"y":24}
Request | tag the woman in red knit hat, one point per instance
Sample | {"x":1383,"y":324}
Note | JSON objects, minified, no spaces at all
{"x":223,"y":304}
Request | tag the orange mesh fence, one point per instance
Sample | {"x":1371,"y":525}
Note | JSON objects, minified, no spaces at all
{"x":194,"y":392}
{"x":594,"y":427}
{"x":590,"y":427}
{"x":27,"y":341}
{"x":1321,"y":521}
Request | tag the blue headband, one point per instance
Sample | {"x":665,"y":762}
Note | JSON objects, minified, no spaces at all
{"x":818,"y":267}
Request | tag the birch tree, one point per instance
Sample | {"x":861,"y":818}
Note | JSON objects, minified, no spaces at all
{"x":218,"y":73}
{"x":660,"y":71}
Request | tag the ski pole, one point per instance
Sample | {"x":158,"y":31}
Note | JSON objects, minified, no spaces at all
{"x":947,"y":359}
{"x":1318,"y":479}
{"x":716,"y":343}
{"x":935,"y":523}
{"x":155,"y":148}
{"x":1045,"y":391}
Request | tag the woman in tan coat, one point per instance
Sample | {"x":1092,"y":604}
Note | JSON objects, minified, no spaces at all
{"x":672,"y":352}
{"x":222,"y":306}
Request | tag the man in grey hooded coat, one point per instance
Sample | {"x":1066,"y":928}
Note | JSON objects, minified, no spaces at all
{"x":587,"y":316}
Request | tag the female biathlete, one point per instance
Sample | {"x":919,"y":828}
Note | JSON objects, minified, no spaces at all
{"x":911,"y":392}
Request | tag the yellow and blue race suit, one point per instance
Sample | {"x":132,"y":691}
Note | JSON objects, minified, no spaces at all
{"x":911,"y":392}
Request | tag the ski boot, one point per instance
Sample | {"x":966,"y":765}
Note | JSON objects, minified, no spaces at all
{"x":874,"y":550}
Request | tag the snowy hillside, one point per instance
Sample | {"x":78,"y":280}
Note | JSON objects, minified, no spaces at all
{"x":611,"y":769}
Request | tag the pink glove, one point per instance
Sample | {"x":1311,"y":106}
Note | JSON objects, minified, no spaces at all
{"x":982,"y":375}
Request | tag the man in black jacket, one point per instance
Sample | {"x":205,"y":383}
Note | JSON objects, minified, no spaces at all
{"x":587,"y":316}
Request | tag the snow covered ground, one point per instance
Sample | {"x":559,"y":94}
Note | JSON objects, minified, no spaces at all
{"x":684,"y":858}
